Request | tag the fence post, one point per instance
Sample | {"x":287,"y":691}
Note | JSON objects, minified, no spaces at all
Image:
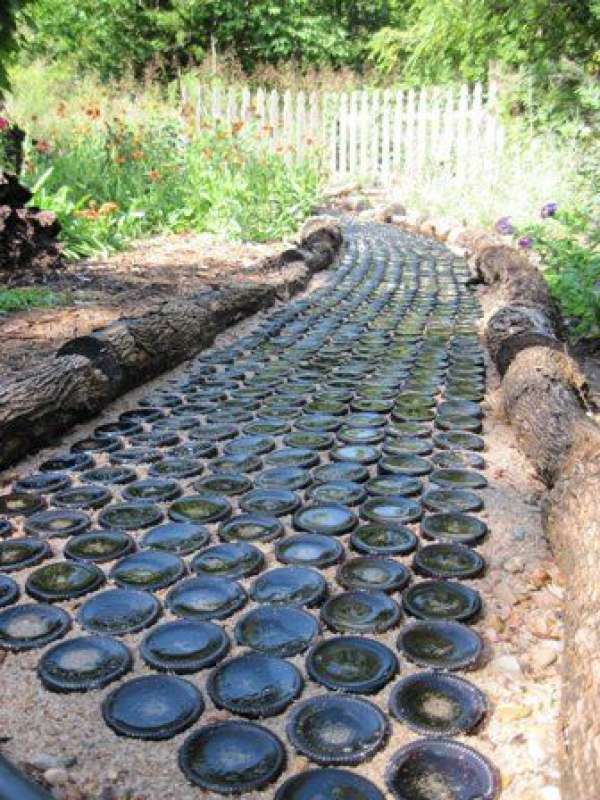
{"x":288,"y":138}
{"x":462,"y":149}
{"x":353,"y":122}
{"x":260,"y":107}
{"x":216,"y":103}
{"x":409,"y":152}
{"x":364,"y":133}
{"x":385,"y":137}
{"x":397,"y":138}
{"x":231,"y":113}
{"x":375,"y":135}
{"x":273,"y":117}
{"x":300,"y":125}
{"x":198,"y":108}
{"x":422,"y":130}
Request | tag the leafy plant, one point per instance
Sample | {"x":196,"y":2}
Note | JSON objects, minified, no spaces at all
{"x":10,"y":10}
{"x":569,"y":248}
{"x":112,"y":178}
{"x":24,"y":299}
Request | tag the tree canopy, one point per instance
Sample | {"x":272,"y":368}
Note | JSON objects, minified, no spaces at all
{"x":417,"y":41}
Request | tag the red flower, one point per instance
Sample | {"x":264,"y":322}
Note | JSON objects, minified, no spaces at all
{"x":4,"y":123}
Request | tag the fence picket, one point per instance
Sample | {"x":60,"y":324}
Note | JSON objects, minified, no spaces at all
{"x":454,"y":131}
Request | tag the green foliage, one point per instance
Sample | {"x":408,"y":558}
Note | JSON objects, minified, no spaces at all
{"x":9,"y":14}
{"x":569,"y":248}
{"x":24,"y":299}
{"x":112,"y":178}
{"x":441,"y":40}
{"x":115,"y":37}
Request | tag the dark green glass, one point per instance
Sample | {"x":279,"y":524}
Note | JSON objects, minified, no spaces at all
{"x":442,"y":600}
{"x":232,"y":560}
{"x":149,"y":569}
{"x":383,"y":539}
{"x":373,"y":572}
{"x":184,"y":646}
{"x":334,"y":729}
{"x":448,"y":560}
{"x":440,"y":769}
{"x":205,"y":597}
{"x":84,"y":664}
{"x":289,"y":586}
{"x":99,"y":546}
{"x":437,"y":704}
{"x":360,"y":612}
{"x":119,"y":611}
{"x":277,"y":630}
{"x":63,"y":580}
{"x":254,"y":685}
{"x":232,"y":757}
{"x":440,"y":645}
{"x":27,"y":626}
{"x":351,"y":664}
{"x":152,"y":707}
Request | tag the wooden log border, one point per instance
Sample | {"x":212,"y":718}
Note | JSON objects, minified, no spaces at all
{"x":90,"y":371}
{"x":545,"y":399}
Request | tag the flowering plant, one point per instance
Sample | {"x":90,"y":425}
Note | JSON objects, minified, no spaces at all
{"x":504,"y":226}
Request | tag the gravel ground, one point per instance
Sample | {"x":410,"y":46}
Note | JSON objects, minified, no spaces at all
{"x":520,"y":624}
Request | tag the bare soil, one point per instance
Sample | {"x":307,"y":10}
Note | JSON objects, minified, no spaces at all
{"x":127,"y":284}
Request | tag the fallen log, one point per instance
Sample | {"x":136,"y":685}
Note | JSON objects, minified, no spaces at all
{"x":572,"y":523}
{"x":525,"y":315}
{"x":37,"y":406}
{"x":90,"y":371}
{"x":513,"y":328}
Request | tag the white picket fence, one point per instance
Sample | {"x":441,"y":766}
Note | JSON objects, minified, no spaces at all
{"x":373,"y":134}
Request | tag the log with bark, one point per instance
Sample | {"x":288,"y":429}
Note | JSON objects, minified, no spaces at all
{"x":90,"y":371}
{"x":545,"y":400}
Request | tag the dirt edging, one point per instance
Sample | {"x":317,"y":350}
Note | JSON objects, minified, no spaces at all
{"x":544,"y":395}
{"x":88,"y":372}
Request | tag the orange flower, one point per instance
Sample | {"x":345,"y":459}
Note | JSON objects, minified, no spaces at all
{"x":137,"y":155}
{"x":61,"y":109}
{"x":93,"y":111}
{"x":108,"y":208}
{"x":237,"y":126}
{"x":87,"y":213}
{"x":42,"y":146}
{"x":154,"y":175}
{"x":120,"y":159}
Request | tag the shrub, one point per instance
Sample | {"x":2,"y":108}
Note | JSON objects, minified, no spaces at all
{"x":569,"y":247}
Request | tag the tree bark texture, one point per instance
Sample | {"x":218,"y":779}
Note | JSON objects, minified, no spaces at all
{"x":90,"y":371}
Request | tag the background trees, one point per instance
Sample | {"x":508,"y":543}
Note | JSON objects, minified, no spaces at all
{"x":9,"y":11}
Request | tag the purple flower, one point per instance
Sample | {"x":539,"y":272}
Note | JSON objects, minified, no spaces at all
{"x":597,"y":286}
{"x":549,"y":210}
{"x":505,"y":226}
{"x":525,"y":242}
